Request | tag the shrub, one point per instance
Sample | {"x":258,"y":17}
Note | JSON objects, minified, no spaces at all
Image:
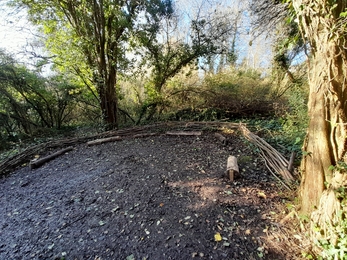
{"x":240,"y":93}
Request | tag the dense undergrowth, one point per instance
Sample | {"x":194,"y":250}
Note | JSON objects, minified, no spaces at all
{"x":230,"y":95}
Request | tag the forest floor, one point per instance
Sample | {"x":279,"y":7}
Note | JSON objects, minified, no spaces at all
{"x":158,"y":197}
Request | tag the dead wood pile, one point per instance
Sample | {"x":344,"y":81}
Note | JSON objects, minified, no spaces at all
{"x":274,"y":161}
{"x":22,"y":158}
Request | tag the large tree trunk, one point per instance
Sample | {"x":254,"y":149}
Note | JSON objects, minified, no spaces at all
{"x":325,"y":143}
{"x":109,"y":101}
{"x":107,"y":60}
{"x":112,"y":100}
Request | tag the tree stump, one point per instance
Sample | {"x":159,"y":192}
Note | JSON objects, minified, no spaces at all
{"x":232,"y":168}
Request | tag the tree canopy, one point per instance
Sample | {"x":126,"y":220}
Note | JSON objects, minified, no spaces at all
{"x":97,"y":35}
{"x":97,"y":40}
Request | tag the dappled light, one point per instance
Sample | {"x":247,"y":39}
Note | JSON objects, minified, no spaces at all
{"x":166,"y":129}
{"x":153,"y":197}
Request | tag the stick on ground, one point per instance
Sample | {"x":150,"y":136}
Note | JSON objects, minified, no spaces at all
{"x":104,"y":140}
{"x":37,"y":163}
{"x":184,"y":133}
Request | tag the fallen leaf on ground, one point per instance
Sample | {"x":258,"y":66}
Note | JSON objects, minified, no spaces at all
{"x":226,"y":244}
{"x":130,"y":257}
{"x":217,"y":237}
{"x":261,"y":195}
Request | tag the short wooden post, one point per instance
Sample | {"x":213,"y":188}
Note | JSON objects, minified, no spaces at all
{"x":232,"y":168}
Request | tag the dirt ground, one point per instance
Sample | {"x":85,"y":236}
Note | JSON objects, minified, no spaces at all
{"x":159,"y":197}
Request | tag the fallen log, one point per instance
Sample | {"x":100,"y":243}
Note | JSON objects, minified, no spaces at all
{"x":9,"y":164}
{"x":184,"y":133}
{"x":232,"y":168}
{"x":104,"y":140}
{"x":38,"y":162}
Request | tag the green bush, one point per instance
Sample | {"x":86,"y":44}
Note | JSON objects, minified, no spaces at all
{"x":295,"y":120}
{"x":233,"y":93}
{"x":239,"y":93}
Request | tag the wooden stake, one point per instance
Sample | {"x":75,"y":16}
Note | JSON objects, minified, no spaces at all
{"x":291,"y":162}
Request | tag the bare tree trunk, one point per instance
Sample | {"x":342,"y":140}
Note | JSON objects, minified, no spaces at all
{"x":109,"y":102}
{"x":112,"y":101}
{"x":317,"y":149}
{"x":106,"y":51}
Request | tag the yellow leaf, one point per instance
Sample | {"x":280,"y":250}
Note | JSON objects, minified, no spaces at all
{"x":261,"y":195}
{"x":217,"y":237}
{"x":248,"y":231}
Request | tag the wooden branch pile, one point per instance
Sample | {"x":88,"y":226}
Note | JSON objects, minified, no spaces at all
{"x":273,"y":159}
{"x":11,"y":163}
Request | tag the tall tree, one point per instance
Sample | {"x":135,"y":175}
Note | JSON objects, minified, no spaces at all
{"x":324,"y":166}
{"x":101,"y":30}
{"x":322,"y":23}
{"x":322,"y":26}
{"x":324,"y":179}
{"x":179,"y":47}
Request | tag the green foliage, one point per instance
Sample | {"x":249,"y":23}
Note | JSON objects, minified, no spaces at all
{"x":30,"y":103}
{"x":332,"y":238}
{"x":344,"y":13}
{"x":278,"y":132}
{"x":287,"y":130}
{"x":340,"y":167}
{"x":295,"y":120}
{"x":229,"y":94}
{"x":240,"y":93}
{"x":90,"y":39}
{"x":336,"y":248}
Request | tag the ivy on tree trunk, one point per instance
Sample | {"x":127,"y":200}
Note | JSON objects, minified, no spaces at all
{"x":325,"y":143}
